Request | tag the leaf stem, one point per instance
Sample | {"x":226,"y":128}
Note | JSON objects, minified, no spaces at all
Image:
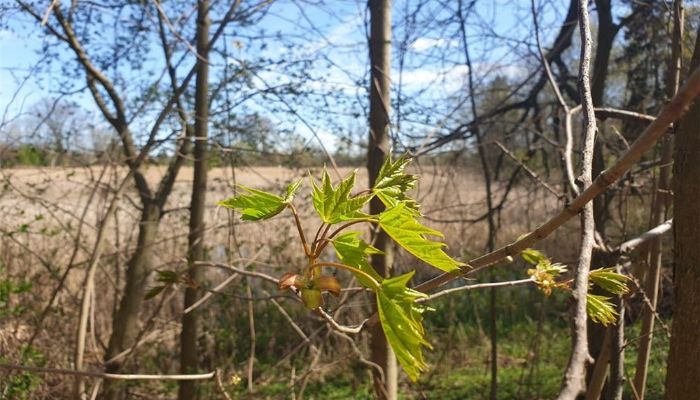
{"x":301,"y":231}
{"x":318,"y":233}
{"x":323,"y":242}
{"x":348,"y":268}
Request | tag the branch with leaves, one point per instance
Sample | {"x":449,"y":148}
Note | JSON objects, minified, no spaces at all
{"x":338,"y":208}
{"x":399,"y":308}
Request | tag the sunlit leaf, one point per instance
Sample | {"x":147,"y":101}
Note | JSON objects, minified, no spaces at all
{"x":600,"y":309}
{"x":354,"y":251}
{"x":403,"y":227}
{"x":393,"y":182}
{"x":257,"y":205}
{"x":609,"y":280}
{"x":334,"y":204}
{"x":402,"y":321}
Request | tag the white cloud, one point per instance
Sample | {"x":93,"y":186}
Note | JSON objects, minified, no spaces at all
{"x":424,"y":43}
{"x":449,"y":79}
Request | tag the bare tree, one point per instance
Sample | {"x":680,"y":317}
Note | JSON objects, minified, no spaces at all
{"x":188,"y":337}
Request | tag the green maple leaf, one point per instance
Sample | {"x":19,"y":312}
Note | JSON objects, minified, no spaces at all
{"x":609,"y":280}
{"x":393,"y":182}
{"x":402,"y":321}
{"x":401,"y":225}
{"x":354,"y":251}
{"x":334,"y":204}
{"x":257,"y":205}
{"x":600,"y":309}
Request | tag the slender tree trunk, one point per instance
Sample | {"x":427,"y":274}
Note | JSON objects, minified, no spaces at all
{"x":125,"y":323}
{"x":658,"y":214}
{"x":385,"y":387}
{"x":575,"y":375}
{"x":683,"y":372}
{"x":188,"y":336}
{"x":607,"y":31}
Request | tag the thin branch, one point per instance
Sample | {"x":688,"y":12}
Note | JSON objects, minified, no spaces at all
{"x":241,"y":271}
{"x":655,"y":232}
{"x":104,"y":375}
{"x":476,"y":286}
{"x":220,"y":286}
{"x":341,"y":328}
{"x":527,"y":169}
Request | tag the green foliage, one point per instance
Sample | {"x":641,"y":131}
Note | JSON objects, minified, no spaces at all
{"x":533,"y":256}
{"x":8,"y":289}
{"x":392,"y":183}
{"x":403,"y":227}
{"x":600,"y":309}
{"x":22,"y":385}
{"x":30,"y":155}
{"x":609,"y":280}
{"x":334,"y":204}
{"x":545,"y":273}
{"x":257,"y":205}
{"x":401,"y":317}
{"x":354,"y":251}
{"x":402,"y":322}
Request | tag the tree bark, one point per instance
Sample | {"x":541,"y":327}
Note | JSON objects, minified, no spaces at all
{"x":188,"y":335}
{"x":385,"y":387}
{"x":658,"y":214}
{"x":125,"y":322}
{"x":575,"y":374}
{"x":683,"y":372}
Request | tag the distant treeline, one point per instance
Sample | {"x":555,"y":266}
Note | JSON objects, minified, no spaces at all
{"x":37,"y":155}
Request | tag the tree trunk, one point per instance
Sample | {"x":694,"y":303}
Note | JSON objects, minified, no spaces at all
{"x":658,"y":215}
{"x":125,"y":323}
{"x":607,"y":31}
{"x":385,"y":387}
{"x":188,"y":336}
{"x":683,"y":372}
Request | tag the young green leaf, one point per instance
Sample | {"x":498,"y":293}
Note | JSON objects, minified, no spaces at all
{"x":545,"y":274}
{"x":402,"y":321}
{"x":354,"y":251}
{"x":600,"y":309}
{"x":393,"y":182}
{"x":167,"y":277}
{"x":154,"y":291}
{"x":334,"y":204}
{"x":533,"y":256}
{"x":257,"y":205}
{"x":609,"y":280}
{"x":401,"y":225}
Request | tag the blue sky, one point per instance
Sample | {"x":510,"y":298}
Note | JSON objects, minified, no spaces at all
{"x":334,"y":34}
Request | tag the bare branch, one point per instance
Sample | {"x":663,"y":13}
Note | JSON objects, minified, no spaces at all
{"x":104,"y":375}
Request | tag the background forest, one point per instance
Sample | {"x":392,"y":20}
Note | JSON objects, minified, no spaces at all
{"x":530,"y":124}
